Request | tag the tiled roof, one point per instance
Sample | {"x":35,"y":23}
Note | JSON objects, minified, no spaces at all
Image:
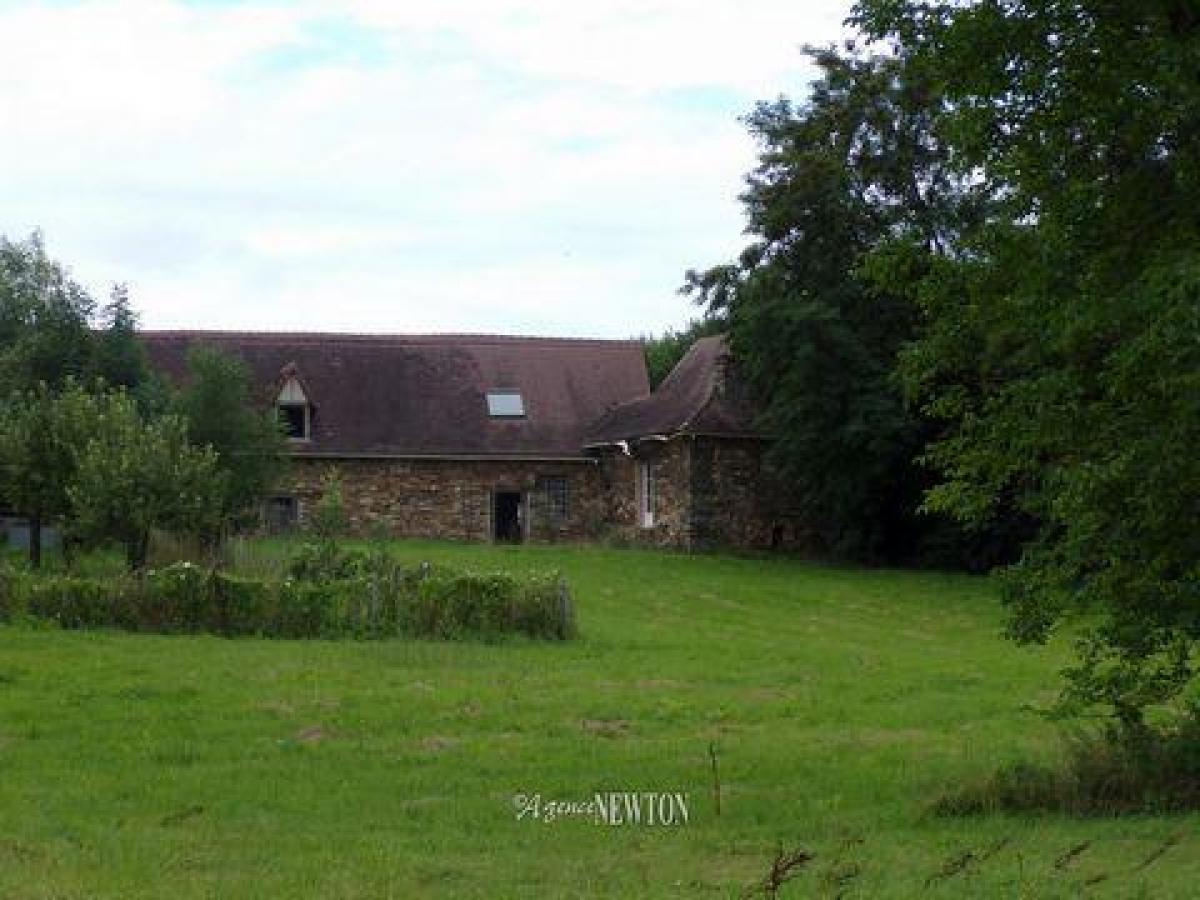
{"x":698,"y":397}
{"x":424,"y":395}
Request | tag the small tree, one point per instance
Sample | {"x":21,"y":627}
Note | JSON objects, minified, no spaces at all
{"x":120,"y":359}
{"x":329,"y":515}
{"x":219,"y":409}
{"x":135,"y":476}
{"x":41,"y":434}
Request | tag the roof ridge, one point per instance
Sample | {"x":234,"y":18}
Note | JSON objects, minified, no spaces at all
{"x":710,"y":391}
{"x":382,"y":337}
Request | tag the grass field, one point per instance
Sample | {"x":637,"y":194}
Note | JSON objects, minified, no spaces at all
{"x":840,"y":701}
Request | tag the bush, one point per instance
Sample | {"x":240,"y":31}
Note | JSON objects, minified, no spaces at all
{"x":375,"y":598}
{"x":319,"y":561}
{"x":169,"y":600}
{"x":1104,"y":773}
{"x":242,"y":606}
{"x":75,"y":602}
{"x":449,"y":606}
{"x":6,"y":590}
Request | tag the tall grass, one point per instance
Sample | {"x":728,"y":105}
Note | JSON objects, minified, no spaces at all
{"x":1102,"y":772}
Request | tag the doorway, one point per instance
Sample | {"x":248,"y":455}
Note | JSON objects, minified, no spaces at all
{"x":508,"y":517}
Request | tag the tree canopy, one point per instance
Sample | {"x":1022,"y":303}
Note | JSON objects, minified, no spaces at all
{"x":857,"y":168}
{"x":220,"y":409}
{"x":134,"y":476}
{"x":1062,"y":351}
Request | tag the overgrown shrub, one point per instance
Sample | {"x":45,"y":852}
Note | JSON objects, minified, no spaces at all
{"x":324,"y":560}
{"x":449,"y":606}
{"x":76,"y":602}
{"x":7,"y":590}
{"x":376,"y":597}
{"x":1104,"y":773}
{"x":328,"y":519}
{"x":172,"y":599}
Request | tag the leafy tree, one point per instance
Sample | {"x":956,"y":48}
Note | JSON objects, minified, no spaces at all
{"x":218,"y":405}
{"x":135,"y":476}
{"x":51,"y":329}
{"x":857,"y":168}
{"x":41,"y":433}
{"x":328,"y":520}
{"x":1063,"y":351}
{"x":44,"y":319}
{"x":665,"y":351}
{"x":119,"y":358}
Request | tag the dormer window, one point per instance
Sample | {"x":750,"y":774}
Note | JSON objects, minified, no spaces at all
{"x":505,"y":404}
{"x":295,"y":412}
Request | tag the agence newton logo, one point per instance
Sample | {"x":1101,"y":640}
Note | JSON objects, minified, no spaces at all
{"x":613,"y":808}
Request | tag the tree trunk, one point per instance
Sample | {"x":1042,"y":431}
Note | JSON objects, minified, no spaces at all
{"x":68,"y":550}
{"x":35,"y":542}
{"x":136,"y":550}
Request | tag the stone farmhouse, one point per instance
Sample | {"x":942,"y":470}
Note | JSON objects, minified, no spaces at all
{"x":487,"y":438}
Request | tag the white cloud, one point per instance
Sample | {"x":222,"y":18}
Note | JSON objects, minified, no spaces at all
{"x":498,"y":165}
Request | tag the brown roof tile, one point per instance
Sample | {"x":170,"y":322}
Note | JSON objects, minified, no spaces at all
{"x":697,"y":398}
{"x":424,"y":395}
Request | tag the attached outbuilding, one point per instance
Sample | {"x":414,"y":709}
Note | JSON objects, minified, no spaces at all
{"x":491,"y":438}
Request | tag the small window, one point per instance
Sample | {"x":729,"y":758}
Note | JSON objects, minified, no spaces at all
{"x":554,"y":490}
{"x":295,"y":412}
{"x":282,"y":514}
{"x":505,"y":404}
{"x":646,"y":494}
{"x":294,"y":418}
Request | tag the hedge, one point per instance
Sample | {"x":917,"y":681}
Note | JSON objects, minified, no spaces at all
{"x":393,"y":601}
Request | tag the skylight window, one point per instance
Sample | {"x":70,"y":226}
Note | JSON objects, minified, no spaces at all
{"x":505,"y":404}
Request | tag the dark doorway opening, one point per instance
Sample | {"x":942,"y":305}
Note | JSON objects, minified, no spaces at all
{"x":508,"y":516}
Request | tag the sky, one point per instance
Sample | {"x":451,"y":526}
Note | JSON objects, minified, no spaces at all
{"x":542,"y":167}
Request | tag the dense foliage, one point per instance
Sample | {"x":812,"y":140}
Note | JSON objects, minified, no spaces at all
{"x":222,"y":413}
{"x":856,"y":169}
{"x":52,"y":330}
{"x":40,"y":434}
{"x":373,"y":597}
{"x":92,"y":442}
{"x":1063,"y":348}
{"x":134,"y":476}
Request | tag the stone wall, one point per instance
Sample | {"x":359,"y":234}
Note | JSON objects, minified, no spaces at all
{"x":712,"y":493}
{"x":620,"y":475}
{"x":451,"y":499}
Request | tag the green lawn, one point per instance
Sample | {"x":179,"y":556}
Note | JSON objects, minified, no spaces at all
{"x":841,"y":702}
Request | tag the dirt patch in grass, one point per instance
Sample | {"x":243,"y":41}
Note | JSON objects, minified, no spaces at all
{"x":655,"y":683}
{"x":610,"y":728}
{"x":281,"y":709}
{"x":439,"y":744}
{"x":182,"y":815}
{"x":313,"y":734}
{"x":886,"y":737}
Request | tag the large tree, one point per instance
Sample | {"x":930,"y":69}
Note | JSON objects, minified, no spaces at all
{"x":855,"y":168}
{"x":52,"y":330}
{"x":45,"y":317}
{"x":1063,"y":353}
